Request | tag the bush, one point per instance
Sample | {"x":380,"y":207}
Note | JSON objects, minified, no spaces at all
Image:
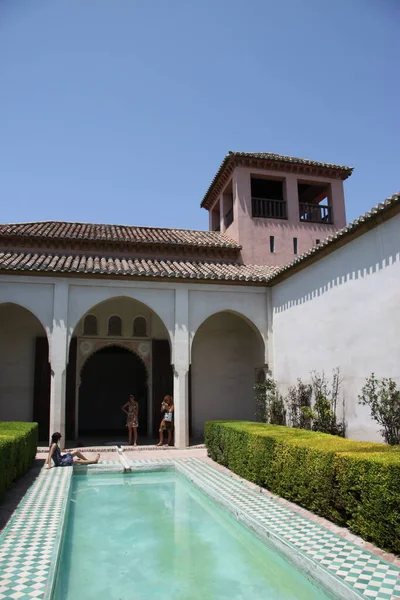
{"x":356,"y":484}
{"x":382,"y":396}
{"x":18,"y":443}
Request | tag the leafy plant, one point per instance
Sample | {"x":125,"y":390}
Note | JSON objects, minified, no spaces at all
{"x":382,"y":396}
{"x":270,"y":406}
{"x":324,"y":411}
{"x":299,"y":404}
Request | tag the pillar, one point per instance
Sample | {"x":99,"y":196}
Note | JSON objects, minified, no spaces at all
{"x":181,"y":368}
{"x":292,"y":199}
{"x":58,"y":359}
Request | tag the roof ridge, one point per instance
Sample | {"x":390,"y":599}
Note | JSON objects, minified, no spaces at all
{"x":63,"y":222}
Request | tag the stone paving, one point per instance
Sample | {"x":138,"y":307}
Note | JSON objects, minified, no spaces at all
{"x":30,"y":543}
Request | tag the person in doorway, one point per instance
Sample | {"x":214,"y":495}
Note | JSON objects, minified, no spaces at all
{"x":68,"y":459}
{"x":167,"y":408}
{"x":131,"y":409}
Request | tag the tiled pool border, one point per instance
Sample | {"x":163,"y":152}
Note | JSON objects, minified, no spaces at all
{"x":46,"y":503}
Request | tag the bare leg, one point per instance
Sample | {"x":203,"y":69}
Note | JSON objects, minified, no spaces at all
{"x":169,"y":437}
{"x":86,"y":461}
{"x":78,"y":454}
{"x":129,"y":435}
{"x":134,"y":436}
{"x":161,"y":438}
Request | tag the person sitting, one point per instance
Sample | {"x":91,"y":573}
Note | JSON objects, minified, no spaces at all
{"x":68,"y":459}
{"x":167,"y":407}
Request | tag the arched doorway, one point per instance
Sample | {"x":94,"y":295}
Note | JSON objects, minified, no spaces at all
{"x":107,"y":379}
{"x":226,"y":353}
{"x":24,"y":368}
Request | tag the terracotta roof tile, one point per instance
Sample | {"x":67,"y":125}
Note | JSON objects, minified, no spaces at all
{"x":275,"y":159}
{"x":117,"y":233}
{"x":140,"y":267}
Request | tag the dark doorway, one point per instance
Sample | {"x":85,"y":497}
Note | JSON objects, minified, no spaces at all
{"x":107,"y":379}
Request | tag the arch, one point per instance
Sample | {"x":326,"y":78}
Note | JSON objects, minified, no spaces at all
{"x":108,"y":376}
{"x":90,"y":325}
{"x":227,"y":351}
{"x":24,"y":368}
{"x":139,"y":327}
{"x":246,"y":319}
{"x":114,"y":326}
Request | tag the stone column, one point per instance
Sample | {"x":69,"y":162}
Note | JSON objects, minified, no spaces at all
{"x":181,"y":368}
{"x":58,"y":359}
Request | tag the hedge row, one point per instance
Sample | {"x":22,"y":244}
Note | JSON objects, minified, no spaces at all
{"x":355,"y":484}
{"x":18,"y":443}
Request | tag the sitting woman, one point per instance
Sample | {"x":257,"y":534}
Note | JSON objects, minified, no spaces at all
{"x":167,"y":407}
{"x":66,"y":460}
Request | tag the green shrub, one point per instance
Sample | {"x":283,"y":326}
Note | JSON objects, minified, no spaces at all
{"x":18,"y":443}
{"x":356,"y":484}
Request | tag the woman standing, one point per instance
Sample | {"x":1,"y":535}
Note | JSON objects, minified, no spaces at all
{"x":167,"y":408}
{"x":131,"y":409}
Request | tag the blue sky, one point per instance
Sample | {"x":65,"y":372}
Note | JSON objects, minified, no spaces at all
{"x":120,"y":111}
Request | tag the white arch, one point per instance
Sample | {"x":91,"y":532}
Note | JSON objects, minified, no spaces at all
{"x":33,"y":314}
{"x":124,"y":344}
{"x":250,"y":323}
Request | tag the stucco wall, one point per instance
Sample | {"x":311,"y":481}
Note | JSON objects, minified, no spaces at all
{"x":343,"y":311}
{"x":18,"y":331}
{"x":225,"y":353}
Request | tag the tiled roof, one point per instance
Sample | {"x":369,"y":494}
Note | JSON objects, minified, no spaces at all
{"x":133,"y":267}
{"x":61,"y":230}
{"x":274,"y":160}
{"x":372,"y":217}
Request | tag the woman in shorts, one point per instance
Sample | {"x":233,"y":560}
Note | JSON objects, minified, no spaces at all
{"x":167,"y":408}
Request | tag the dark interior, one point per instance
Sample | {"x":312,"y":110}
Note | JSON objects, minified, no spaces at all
{"x":107,"y":379}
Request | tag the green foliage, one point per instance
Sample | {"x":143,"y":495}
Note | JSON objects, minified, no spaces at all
{"x":270,"y":406}
{"x":299,"y":403}
{"x":382,"y":396}
{"x":18,"y":443}
{"x":356,"y":484}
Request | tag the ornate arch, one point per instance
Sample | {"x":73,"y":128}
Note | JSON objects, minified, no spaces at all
{"x":87,"y":347}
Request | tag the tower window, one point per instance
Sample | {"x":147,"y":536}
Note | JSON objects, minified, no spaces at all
{"x":272,"y":243}
{"x":317,"y":242}
{"x":267,"y":199}
{"x":295,"y":245}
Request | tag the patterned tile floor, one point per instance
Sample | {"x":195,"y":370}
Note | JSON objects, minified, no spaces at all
{"x":29,"y":544}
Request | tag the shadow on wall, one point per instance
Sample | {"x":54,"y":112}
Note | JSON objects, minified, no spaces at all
{"x":369,"y":254}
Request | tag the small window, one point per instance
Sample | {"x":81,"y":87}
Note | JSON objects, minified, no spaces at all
{"x":272,"y":243}
{"x":295,"y":245}
{"x":114,"y":326}
{"x":90,"y":325}
{"x":139,"y":327}
{"x":317,"y":242}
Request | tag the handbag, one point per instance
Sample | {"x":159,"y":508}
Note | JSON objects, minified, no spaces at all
{"x":168,"y":417}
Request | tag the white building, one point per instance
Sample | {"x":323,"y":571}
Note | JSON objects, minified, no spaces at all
{"x":90,"y":313}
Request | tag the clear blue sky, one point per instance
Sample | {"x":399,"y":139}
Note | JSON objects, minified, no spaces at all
{"x":120,"y":111}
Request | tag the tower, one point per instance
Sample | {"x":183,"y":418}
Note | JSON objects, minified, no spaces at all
{"x":276,"y":207}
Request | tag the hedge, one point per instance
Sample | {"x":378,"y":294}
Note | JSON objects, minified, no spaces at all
{"x":18,"y":444}
{"x":354,"y":484}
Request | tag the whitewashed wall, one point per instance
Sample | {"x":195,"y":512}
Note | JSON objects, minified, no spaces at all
{"x":225,"y":353}
{"x":343,"y":311}
{"x":18,"y":331}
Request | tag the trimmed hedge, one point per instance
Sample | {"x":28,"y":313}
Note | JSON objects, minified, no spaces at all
{"x":355,"y":484}
{"x":18,"y":444}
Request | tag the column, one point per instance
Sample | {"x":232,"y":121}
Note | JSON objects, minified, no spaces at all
{"x":221,"y":214}
{"x":181,"y":368}
{"x":58,"y":359}
{"x":292,"y":199}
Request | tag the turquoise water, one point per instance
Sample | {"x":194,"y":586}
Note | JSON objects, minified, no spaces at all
{"x":154,"y":535}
